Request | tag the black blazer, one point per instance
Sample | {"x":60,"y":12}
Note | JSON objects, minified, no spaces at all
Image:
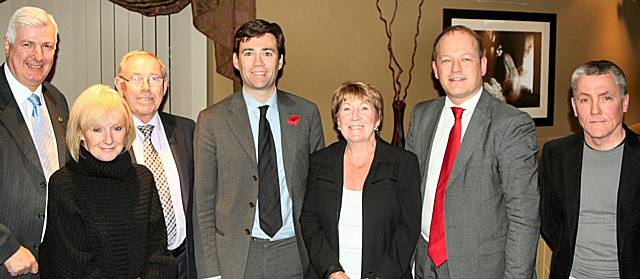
{"x":391,"y":211}
{"x":22,"y":182}
{"x":560,"y":203}
{"x":179,"y":133}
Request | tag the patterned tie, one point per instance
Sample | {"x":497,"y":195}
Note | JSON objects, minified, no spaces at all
{"x":153,"y":162}
{"x":268,"y":185}
{"x":437,"y":241}
{"x":43,"y":138}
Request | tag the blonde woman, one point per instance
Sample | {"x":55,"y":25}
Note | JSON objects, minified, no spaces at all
{"x":104,"y":215}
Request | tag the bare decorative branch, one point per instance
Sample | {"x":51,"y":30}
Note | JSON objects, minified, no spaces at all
{"x":394,"y":65}
{"x":399,"y":103}
{"x":415,"y":48}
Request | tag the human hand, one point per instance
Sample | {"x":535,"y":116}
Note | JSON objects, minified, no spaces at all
{"x":338,"y":275}
{"x":21,"y":262}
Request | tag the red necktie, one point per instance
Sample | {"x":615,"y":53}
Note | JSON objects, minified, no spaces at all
{"x":437,"y":241}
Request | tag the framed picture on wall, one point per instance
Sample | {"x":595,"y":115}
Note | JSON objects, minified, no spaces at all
{"x":520,"y":50}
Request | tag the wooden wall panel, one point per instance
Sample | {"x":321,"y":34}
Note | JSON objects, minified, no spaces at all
{"x":107,"y":32}
{"x":149,"y":33}
{"x":91,"y":62}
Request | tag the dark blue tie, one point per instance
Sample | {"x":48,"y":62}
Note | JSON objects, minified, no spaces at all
{"x":268,"y":186}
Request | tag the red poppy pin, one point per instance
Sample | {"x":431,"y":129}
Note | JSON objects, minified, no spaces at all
{"x":294,"y":120}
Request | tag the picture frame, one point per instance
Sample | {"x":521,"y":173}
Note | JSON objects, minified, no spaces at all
{"x":521,"y":52}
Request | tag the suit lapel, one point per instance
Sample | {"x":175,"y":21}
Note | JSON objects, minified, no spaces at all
{"x":170,"y":130}
{"x":477,"y":127}
{"x":239,"y":125}
{"x":379,"y":157}
{"x":57,"y":122}
{"x":289,"y":137}
{"x":430,"y":120}
{"x":572,"y":164}
{"x":11,"y":117}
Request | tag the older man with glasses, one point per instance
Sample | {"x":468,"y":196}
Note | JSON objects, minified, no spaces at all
{"x":164,"y":143}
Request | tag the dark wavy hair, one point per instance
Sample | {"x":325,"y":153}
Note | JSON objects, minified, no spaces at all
{"x":257,"y":28}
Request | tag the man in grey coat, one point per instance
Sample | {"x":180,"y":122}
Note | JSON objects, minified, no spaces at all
{"x":33,"y":116}
{"x":246,"y":212}
{"x":479,"y":175}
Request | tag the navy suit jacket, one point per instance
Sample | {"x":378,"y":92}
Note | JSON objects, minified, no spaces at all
{"x":22,"y":181}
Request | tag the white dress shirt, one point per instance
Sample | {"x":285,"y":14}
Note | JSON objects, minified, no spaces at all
{"x":437,"y":153}
{"x":161,"y":144}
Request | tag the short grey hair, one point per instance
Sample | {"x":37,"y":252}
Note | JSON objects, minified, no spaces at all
{"x":31,"y":16}
{"x":133,"y":53}
{"x":596,"y":68}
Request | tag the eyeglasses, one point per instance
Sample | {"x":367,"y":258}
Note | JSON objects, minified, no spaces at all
{"x":138,"y":80}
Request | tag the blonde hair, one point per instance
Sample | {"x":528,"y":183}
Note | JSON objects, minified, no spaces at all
{"x":360,"y":90}
{"x":90,"y":107}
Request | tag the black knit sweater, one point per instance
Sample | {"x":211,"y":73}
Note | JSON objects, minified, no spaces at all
{"x":104,"y":221}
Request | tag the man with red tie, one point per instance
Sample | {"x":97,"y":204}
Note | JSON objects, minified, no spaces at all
{"x":479,"y":174}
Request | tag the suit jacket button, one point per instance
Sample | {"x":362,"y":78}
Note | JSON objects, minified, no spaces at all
{"x":252,"y":205}
{"x":255,"y":178}
{"x":36,"y":246}
{"x":41,"y":215}
{"x":247,"y":231}
{"x":43,"y":185}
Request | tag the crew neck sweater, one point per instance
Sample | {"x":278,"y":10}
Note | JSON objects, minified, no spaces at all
{"x":104,"y":221}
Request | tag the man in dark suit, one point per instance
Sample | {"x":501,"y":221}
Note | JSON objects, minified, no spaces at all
{"x":33,"y":115}
{"x":164,"y":143}
{"x":479,"y":174}
{"x":590,"y":184}
{"x":251,"y":162}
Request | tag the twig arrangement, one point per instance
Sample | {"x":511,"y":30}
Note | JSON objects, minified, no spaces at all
{"x":394,"y":65}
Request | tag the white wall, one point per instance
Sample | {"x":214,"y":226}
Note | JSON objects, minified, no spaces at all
{"x":94,"y":34}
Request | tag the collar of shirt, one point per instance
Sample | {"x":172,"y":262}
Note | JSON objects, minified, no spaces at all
{"x":468,"y":105}
{"x":20,"y":92}
{"x":253,"y":104}
{"x":157,"y":126}
{"x":253,"y":112}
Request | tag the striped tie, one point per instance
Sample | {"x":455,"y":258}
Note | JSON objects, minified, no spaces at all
{"x":153,"y":162}
{"x":43,"y":138}
{"x":268,"y":185}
